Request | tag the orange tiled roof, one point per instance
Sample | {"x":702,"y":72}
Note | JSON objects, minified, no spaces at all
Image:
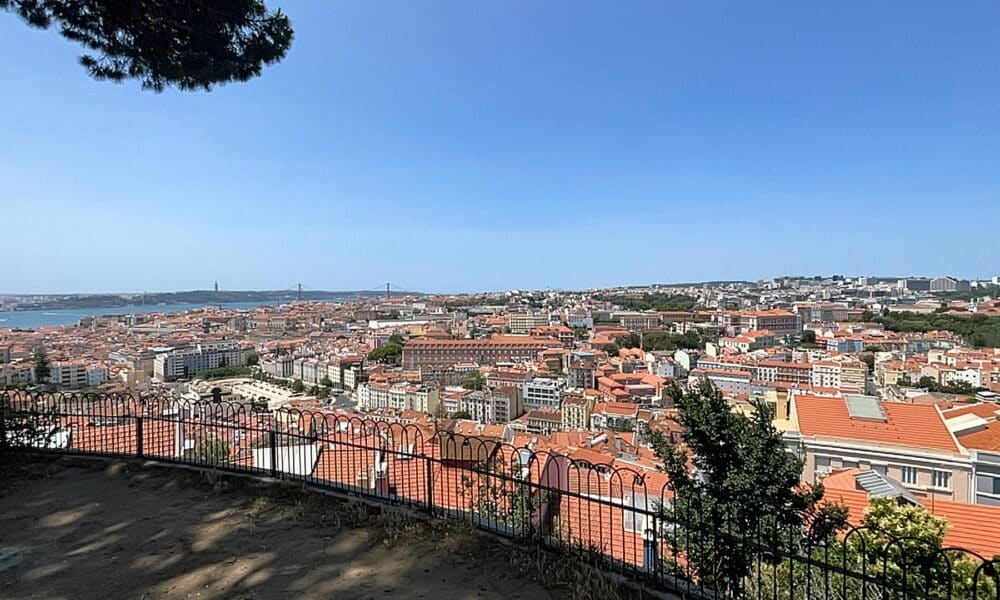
{"x":986,"y":410}
{"x":913,"y":425}
{"x":985,"y":439}
{"x":974,"y":527}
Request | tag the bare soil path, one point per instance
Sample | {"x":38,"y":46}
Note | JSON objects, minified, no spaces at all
{"x":114,"y":530}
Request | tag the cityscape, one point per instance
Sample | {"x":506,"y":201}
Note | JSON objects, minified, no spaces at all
{"x":530,"y":300}
{"x":588,"y":374}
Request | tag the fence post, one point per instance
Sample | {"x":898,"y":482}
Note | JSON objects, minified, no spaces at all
{"x":429,"y":476}
{"x":272,"y":442}
{"x":138,"y":437}
{"x":3,"y":420}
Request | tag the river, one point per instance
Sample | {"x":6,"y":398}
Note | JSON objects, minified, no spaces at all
{"x":30,"y":319}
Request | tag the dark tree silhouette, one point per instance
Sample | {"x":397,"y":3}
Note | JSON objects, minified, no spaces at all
{"x":188,"y":44}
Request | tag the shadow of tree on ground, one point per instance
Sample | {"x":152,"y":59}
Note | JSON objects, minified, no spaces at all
{"x":74,"y":528}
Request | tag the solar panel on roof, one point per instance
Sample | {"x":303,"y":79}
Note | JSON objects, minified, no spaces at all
{"x":880,"y":486}
{"x":865,"y":407}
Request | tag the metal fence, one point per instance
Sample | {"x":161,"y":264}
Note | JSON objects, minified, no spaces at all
{"x":621,"y":516}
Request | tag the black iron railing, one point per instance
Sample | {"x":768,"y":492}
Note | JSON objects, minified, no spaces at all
{"x":621,"y":515}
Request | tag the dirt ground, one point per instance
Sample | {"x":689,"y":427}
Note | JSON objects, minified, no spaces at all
{"x":74,"y":529}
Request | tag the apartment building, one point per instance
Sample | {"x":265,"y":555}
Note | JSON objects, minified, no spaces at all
{"x":910,"y":443}
{"x":140,"y":362}
{"x":520,"y":323}
{"x":403,"y":395}
{"x":561,"y":333}
{"x":617,"y":416}
{"x":949,"y":284}
{"x":542,"y":392}
{"x":280,"y":366}
{"x":822,"y":313}
{"x":977,"y":427}
{"x":538,"y":421}
{"x":491,"y":406}
{"x":582,"y":370}
{"x":779,"y":322}
{"x":184,"y":363}
{"x":846,"y":374}
{"x":726,"y":381}
{"x":421,"y":353}
{"x":639,"y":321}
{"x":776,"y":371}
{"x":68,"y":375}
{"x":17,"y":372}
{"x":576,"y":410}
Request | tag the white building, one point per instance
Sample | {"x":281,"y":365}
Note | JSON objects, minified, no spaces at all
{"x":490,"y":407}
{"x":68,"y":375}
{"x":184,"y":363}
{"x":542,"y":392}
{"x":398,"y":395}
{"x":525,"y":322}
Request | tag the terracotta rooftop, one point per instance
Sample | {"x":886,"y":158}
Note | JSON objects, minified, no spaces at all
{"x":912,"y":425}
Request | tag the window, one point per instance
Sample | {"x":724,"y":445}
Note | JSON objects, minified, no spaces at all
{"x":996,"y":485}
{"x":880,"y":469}
{"x":909,"y":475}
{"x":942,"y":480}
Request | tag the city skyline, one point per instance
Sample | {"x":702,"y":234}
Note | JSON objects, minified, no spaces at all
{"x":452,"y":147}
{"x":987,"y":279}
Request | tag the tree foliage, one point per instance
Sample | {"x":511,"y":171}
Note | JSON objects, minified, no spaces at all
{"x":188,"y":44}
{"x":389,"y":353}
{"x":475,"y":381}
{"x":42,"y":368}
{"x":651,"y":301}
{"x":953,"y":387}
{"x":222,"y":372}
{"x":211,"y":450}
{"x":979,"y":330}
{"x":659,"y":341}
{"x":898,"y":551}
{"x":733,"y":480}
{"x":298,"y":387}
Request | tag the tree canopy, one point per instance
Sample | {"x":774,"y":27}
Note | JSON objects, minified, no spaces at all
{"x":651,"y":301}
{"x":387,"y":353}
{"x":734,"y":479}
{"x":474,"y":381}
{"x":980,"y":330}
{"x":222,"y":372}
{"x":41,"y":365}
{"x":187,"y":44}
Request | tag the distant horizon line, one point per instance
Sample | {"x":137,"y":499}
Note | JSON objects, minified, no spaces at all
{"x":506,"y":290}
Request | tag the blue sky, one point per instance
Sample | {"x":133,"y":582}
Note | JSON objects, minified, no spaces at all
{"x":457,"y":145}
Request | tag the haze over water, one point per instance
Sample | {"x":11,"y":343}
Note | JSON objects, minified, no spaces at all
{"x":30,"y":319}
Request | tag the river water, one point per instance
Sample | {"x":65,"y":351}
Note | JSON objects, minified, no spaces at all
{"x":29,"y":319}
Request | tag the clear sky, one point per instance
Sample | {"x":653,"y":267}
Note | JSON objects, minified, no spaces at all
{"x":465,"y":145}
